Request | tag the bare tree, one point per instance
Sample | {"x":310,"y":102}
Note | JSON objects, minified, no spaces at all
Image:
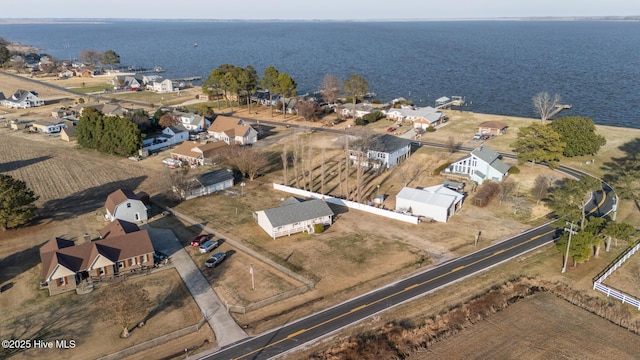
{"x":180,"y":182}
{"x":331,"y":88}
{"x":306,"y":109}
{"x":296,"y":156}
{"x":247,"y":161}
{"x":322,"y":170}
{"x":451,"y":144}
{"x":545,"y":104}
{"x":285,"y":162}
{"x":168,"y":119}
{"x":361,"y":146}
{"x":126,"y":304}
{"x":91,"y":57}
{"x":540,"y":188}
{"x":507,"y":188}
{"x":347,"y":153}
{"x":310,"y":164}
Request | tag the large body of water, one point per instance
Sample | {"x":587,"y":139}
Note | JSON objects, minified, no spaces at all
{"x":497,"y":65}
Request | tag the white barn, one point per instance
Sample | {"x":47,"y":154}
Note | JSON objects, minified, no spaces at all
{"x":294,"y":216}
{"x":434,"y":202}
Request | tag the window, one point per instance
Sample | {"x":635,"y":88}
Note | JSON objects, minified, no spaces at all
{"x":120,"y":264}
{"x":128,"y":205}
{"x":131,"y":262}
{"x":100,"y":271}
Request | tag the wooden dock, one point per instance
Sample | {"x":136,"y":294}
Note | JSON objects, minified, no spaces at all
{"x":558,"y":108}
{"x":445,"y":103}
{"x":187,"y":79}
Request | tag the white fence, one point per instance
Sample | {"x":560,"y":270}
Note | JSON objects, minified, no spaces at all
{"x":350,"y":204}
{"x":616,"y":294}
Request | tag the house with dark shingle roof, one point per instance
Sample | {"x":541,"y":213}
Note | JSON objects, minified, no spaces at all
{"x":383,"y":150}
{"x":209,"y":183}
{"x":125,"y":205}
{"x":294,"y":216}
{"x":480,"y":165}
{"x":123,"y":249}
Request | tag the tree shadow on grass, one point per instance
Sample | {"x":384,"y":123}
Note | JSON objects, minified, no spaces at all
{"x":84,"y":201}
{"x":17,"y":164}
{"x":19,"y":262}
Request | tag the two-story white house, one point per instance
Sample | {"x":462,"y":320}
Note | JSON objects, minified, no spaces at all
{"x":162,"y":86}
{"x":383,"y":150}
{"x":193,"y":122}
{"x":480,"y":165}
{"x":294,"y":216}
{"x":125,"y":205}
{"x":22,"y":99}
{"x":232,"y":131}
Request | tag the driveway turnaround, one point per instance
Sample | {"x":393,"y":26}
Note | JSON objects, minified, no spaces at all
{"x":223,"y":325}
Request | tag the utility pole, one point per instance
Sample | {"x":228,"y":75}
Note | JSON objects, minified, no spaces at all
{"x":566,"y":256}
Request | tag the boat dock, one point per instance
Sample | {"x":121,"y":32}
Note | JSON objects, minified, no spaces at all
{"x":445,"y":102}
{"x":558,"y":108}
{"x":187,"y":79}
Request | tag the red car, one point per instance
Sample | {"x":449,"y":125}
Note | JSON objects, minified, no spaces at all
{"x":391,"y":129}
{"x":199,"y":239}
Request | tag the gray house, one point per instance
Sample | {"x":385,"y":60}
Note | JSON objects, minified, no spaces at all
{"x":210,"y":182}
{"x":294,"y":216}
{"x":480,"y":165}
{"x":125,"y":205}
{"x":384,"y":150}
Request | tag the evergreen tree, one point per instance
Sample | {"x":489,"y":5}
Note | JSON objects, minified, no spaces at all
{"x":108,"y":134}
{"x":539,"y":143}
{"x":16,"y":202}
{"x":579,"y":134}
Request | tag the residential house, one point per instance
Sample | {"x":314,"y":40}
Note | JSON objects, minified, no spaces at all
{"x":196,"y":153}
{"x":294,"y":216}
{"x":492,"y":128}
{"x":383,"y":150}
{"x":50,"y":126}
{"x":232,"y":131}
{"x":423,"y":117}
{"x":126,"y":81}
{"x":360,"y":110}
{"x":480,"y":165}
{"x":148,"y":79}
{"x":23,"y":99}
{"x":172,"y":135}
{"x":434,"y":202}
{"x":125,"y":205}
{"x":123,"y":249}
{"x":68,"y":133}
{"x":192,"y":122}
{"x":209,"y":183}
{"x":66,"y":74}
{"x":106,"y":109}
{"x":162,"y":86}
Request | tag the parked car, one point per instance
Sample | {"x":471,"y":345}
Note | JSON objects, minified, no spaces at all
{"x":391,"y":129}
{"x":215,"y":260}
{"x":199,"y":239}
{"x":159,"y":256}
{"x":208,"y":246}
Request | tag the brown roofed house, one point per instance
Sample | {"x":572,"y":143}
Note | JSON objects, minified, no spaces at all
{"x":492,"y":127}
{"x":67,"y":267}
{"x":232,"y":131}
{"x":196,"y":153}
{"x":125,"y":205}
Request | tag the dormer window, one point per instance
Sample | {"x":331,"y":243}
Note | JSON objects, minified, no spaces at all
{"x":128,"y":205}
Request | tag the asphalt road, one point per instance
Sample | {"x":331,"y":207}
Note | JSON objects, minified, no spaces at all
{"x":287,"y":338}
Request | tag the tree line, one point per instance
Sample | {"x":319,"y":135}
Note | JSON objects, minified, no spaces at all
{"x":108,"y":134}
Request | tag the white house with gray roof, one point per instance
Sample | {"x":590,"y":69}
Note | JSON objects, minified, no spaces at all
{"x":480,"y":165}
{"x":22,"y":99}
{"x":434,"y":202}
{"x":422,"y":117}
{"x":384,"y":150}
{"x":294,"y":216}
{"x":209,"y":183}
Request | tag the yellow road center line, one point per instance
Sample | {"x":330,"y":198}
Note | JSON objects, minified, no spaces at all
{"x":458,"y":268}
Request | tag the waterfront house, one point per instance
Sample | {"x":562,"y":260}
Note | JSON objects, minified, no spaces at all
{"x":125,"y":205}
{"x":232,"y":131}
{"x":480,"y":165}
{"x":383,"y":150}
{"x":422,"y":117}
{"x":162,"y":86}
{"x":360,"y":110}
{"x":294,"y":216}
{"x":492,"y":128}
{"x":435,"y":202}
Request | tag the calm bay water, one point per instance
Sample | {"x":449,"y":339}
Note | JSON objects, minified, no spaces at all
{"x":497,"y":65}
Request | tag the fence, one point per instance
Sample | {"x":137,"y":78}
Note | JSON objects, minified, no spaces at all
{"x":268,"y":301}
{"x":155,"y":342}
{"x":611,"y":292}
{"x":350,"y":204}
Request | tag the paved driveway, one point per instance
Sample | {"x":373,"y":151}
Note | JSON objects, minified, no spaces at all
{"x":225,"y":328}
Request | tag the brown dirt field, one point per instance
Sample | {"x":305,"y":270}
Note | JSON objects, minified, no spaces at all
{"x":541,"y":327}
